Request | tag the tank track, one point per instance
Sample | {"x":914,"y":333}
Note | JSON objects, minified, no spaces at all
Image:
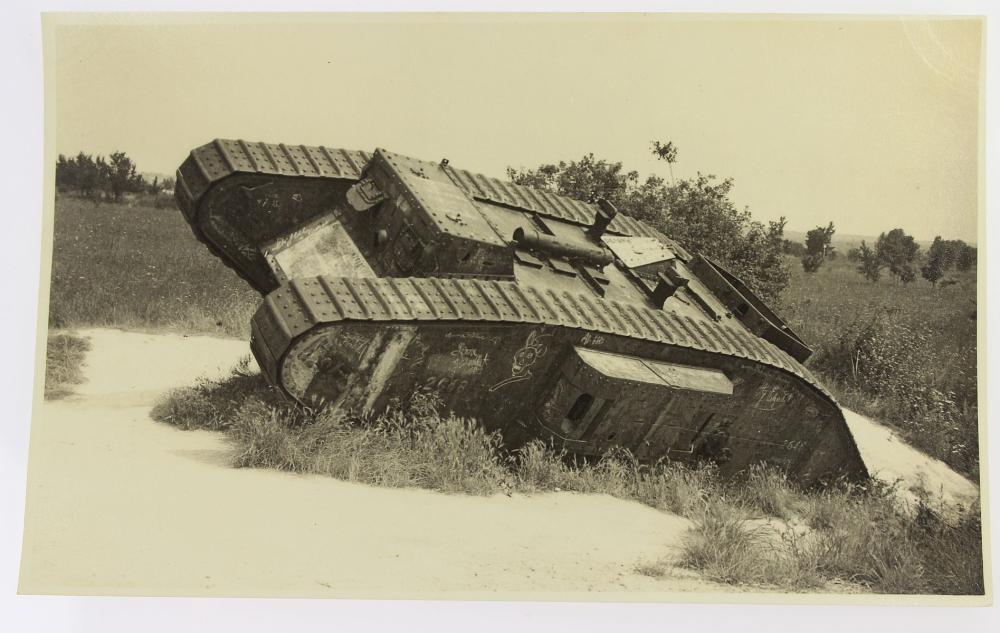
{"x":302,"y":305}
{"x":221,"y":159}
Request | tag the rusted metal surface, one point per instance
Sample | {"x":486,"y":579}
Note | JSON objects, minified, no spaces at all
{"x":541,"y":316}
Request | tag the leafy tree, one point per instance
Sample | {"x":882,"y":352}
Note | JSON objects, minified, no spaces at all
{"x":818,"y":239}
{"x":897,"y":251}
{"x":811,"y":262}
{"x":697,"y":212}
{"x":854,"y":255}
{"x":945,"y":251}
{"x":966,"y":257}
{"x":666,"y":152}
{"x":906,"y":273}
{"x":817,"y":245}
{"x":122,"y":175}
{"x":933,"y":270}
{"x":92,"y":176}
{"x":871,"y":263}
{"x":86,"y":173}
{"x":66,"y":172}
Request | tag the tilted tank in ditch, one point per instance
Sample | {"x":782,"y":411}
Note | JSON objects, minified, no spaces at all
{"x":539,"y":315}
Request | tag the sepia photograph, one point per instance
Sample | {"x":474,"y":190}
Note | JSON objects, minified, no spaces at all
{"x":615,"y":307}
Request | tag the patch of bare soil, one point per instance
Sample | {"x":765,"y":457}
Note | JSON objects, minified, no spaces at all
{"x":119,"y":504}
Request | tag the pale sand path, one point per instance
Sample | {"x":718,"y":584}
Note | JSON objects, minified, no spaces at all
{"x":120,"y":504}
{"x":892,"y":460}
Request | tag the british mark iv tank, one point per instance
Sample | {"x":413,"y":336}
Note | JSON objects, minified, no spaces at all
{"x":539,"y":315}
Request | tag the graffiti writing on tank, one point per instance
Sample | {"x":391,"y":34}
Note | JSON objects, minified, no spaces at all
{"x":414,"y":354}
{"x":354,"y":342}
{"x":470,"y":359}
{"x":463,"y":361}
{"x":592,"y":339}
{"x":524,"y":358}
{"x":794,"y":445}
{"x":491,"y":338}
{"x":771,"y":397}
{"x":443,"y":385}
{"x":234,"y":237}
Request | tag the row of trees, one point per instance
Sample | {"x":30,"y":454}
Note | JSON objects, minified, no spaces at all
{"x":697,"y":212}
{"x":894,"y":251}
{"x":945,"y":254}
{"x":898,"y":252}
{"x":112,"y":177}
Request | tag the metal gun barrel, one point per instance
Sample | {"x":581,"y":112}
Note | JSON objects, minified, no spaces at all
{"x":531,"y":239}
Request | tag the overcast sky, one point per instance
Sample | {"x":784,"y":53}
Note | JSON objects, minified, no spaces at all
{"x":871,"y":124}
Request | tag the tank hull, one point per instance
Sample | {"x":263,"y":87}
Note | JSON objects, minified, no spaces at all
{"x":525,"y":363}
{"x":541,"y":316}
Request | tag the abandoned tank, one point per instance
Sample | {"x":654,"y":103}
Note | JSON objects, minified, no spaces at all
{"x":539,"y":315}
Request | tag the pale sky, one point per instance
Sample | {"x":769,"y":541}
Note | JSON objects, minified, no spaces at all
{"x":871,"y":124}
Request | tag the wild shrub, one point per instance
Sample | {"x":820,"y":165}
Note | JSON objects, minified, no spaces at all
{"x":768,"y":490}
{"x":952,"y":551}
{"x":898,"y":366}
{"x":726,"y":546}
{"x":855,"y":534}
{"x":539,"y":466}
{"x":64,"y":358}
{"x":210,"y":404}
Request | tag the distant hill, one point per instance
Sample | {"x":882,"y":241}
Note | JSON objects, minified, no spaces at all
{"x":846,"y":241}
{"x":842,"y":242}
{"x":148,"y":176}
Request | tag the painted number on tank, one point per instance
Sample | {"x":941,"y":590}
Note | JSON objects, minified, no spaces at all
{"x":772,"y":397}
{"x":443,"y":384}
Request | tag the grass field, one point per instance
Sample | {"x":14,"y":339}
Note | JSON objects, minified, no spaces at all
{"x":140,"y":267}
{"x":900,"y":353}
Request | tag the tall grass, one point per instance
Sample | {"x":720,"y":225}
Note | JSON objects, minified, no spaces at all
{"x":64,"y":358}
{"x":857,"y":535}
{"x":140,"y":267}
{"x":758,"y":529}
{"x":904,"y":354}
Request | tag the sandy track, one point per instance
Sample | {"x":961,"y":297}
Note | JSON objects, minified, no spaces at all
{"x":892,"y":460}
{"x":120,"y":504}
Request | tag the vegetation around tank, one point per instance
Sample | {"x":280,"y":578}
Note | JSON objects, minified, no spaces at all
{"x":759,"y":529}
{"x":133,"y":265}
{"x":64,"y":357}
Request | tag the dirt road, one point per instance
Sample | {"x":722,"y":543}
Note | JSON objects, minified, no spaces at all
{"x":120,"y":504}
